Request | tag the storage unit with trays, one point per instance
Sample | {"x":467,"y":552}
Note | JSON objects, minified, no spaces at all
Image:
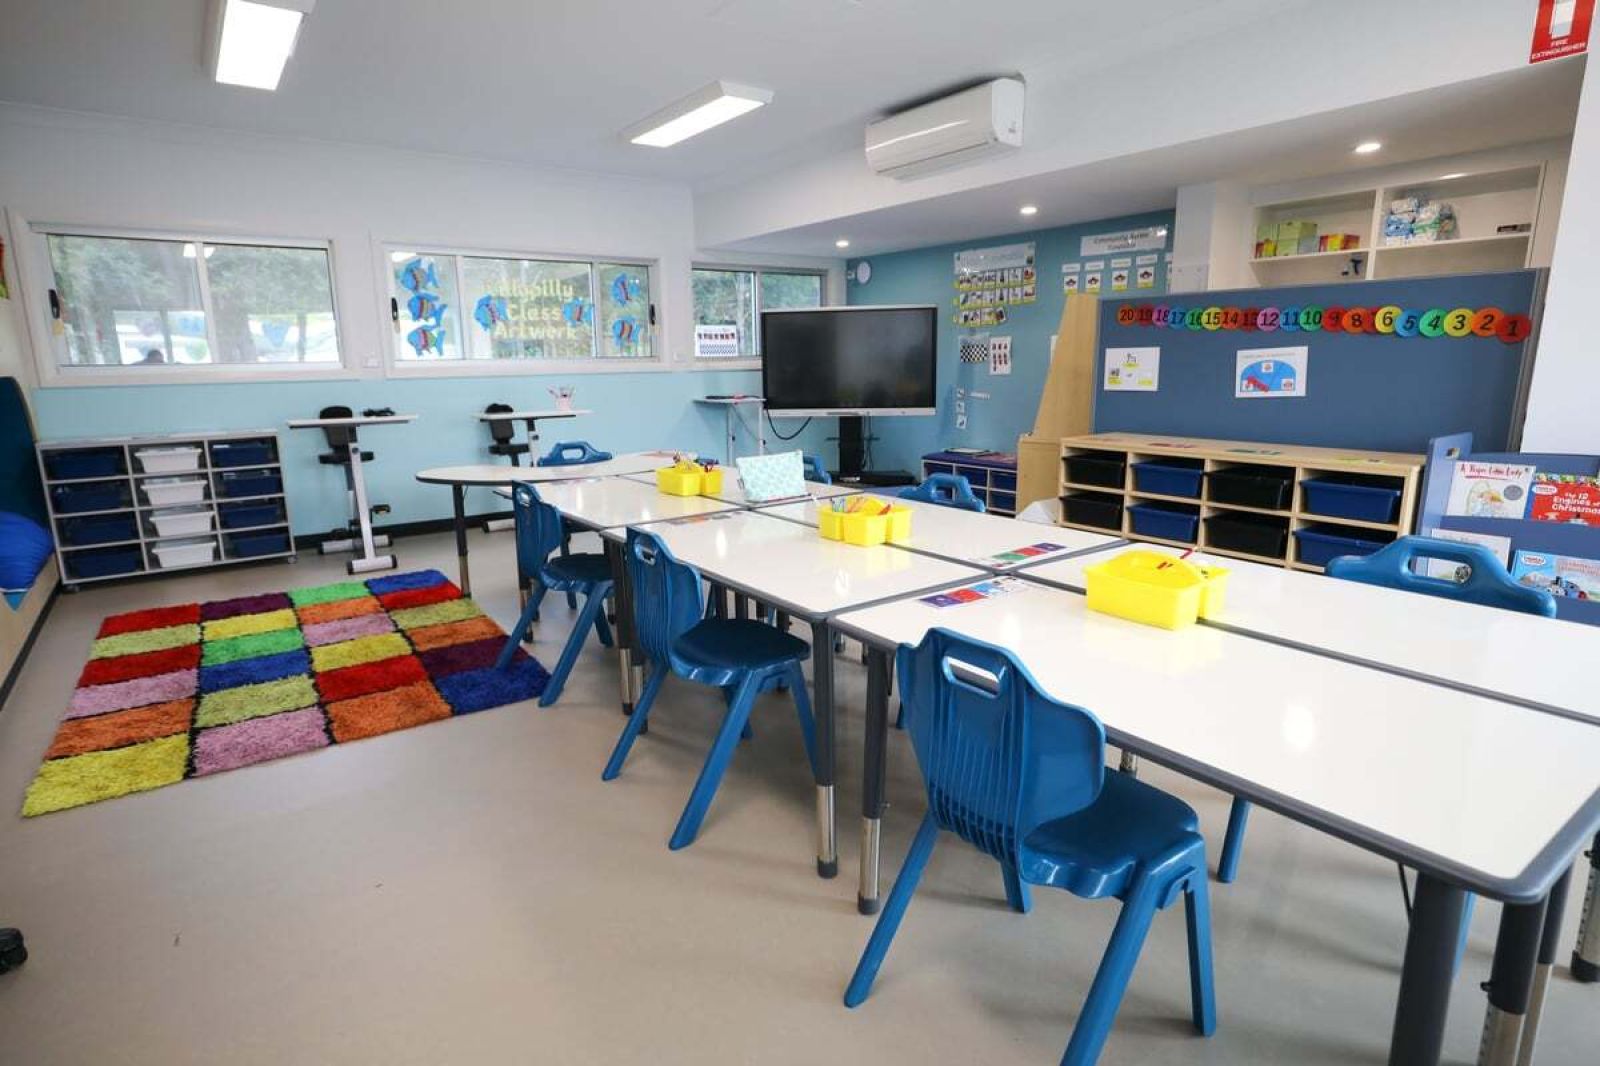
{"x":1272,"y":503}
{"x":993,"y":475}
{"x":135,"y":505}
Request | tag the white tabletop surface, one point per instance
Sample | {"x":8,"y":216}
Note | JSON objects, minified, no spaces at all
{"x":499,"y":474}
{"x":790,"y":566}
{"x":1477,"y":782}
{"x":523,"y":416}
{"x":600,"y":503}
{"x":969,"y":537}
{"x":1505,"y":653}
{"x":353,"y":420}
{"x":733,"y":490}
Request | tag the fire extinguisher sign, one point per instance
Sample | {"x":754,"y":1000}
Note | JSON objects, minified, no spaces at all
{"x":1561,"y":29}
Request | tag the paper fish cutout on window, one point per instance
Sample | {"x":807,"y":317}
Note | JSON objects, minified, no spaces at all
{"x":490,"y":312}
{"x":577,"y":311}
{"x":625,"y":331}
{"x":425,"y":307}
{"x":625,"y":288}
{"x":419,"y":274}
{"x":426,"y":339}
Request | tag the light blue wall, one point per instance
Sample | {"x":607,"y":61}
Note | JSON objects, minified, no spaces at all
{"x":926,"y":275}
{"x":633,"y":412}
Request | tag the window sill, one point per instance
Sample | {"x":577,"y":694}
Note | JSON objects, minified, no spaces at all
{"x":745,"y":362}
{"x":460,"y":368}
{"x":111,"y":376}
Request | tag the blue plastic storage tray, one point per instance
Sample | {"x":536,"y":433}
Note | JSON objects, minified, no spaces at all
{"x":241,"y":453}
{"x":237,"y":485}
{"x":1003,"y":482}
{"x":245,"y":515}
{"x":103,"y":562}
{"x":100,"y":529}
{"x":1002,"y":501}
{"x":1167,"y":479}
{"x":1165,"y":521}
{"x":91,"y":496}
{"x":244,"y":545}
{"x":1346,"y":499}
{"x":85,"y":462}
{"x":1317,"y":545}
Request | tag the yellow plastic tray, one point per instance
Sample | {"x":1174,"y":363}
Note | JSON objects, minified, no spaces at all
{"x":864,"y":529}
{"x":830,"y":524}
{"x":675,"y":482}
{"x":711,"y":481}
{"x":1156,"y":589}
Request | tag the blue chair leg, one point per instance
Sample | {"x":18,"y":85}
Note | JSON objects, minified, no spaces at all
{"x":1233,"y":841}
{"x":802,"y":710}
{"x":705,"y":787}
{"x":514,"y":639}
{"x":569,"y":653}
{"x":1466,"y":929}
{"x":900,"y":717}
{"x":1116,"y":967}
{"x":1202,"y":990}
{"x":636,"y":723}
{"x":1017,"y":894}
{"x":894,"y":909}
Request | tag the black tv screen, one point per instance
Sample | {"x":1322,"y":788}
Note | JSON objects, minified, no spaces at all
{"x":849,"y":360}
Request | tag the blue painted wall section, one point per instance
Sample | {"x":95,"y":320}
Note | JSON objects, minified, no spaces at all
{"x":926,"y":275}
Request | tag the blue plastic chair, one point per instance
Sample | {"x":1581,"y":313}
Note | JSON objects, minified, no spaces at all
{"x":1022,"y":778}
{"x":743,"y":657}
{"x":947,"y":490}
{"x":815,"y":471}
{"x":572,"y":453}
{"x":1481,"y":578}
{"x":539,"y":536}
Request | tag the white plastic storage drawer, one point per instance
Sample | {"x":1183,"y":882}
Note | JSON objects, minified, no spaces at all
{"x":168,"y":460}
{"x":181,"y":523}
{"x":185,"y":553}
{"x":170,"y":491}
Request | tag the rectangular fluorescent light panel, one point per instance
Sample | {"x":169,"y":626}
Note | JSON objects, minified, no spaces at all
{"x":256,"y":41}
{"x":694,"y":114}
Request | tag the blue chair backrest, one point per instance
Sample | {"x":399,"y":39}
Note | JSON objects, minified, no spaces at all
{"x":946,"y":490}
{"x":573,"y":452}
{"x":1485,"y":580}
{"x":538,"y":528}
{"x":999,"y":757}
{"x":815,"y":471}
{"x":667,"y":596}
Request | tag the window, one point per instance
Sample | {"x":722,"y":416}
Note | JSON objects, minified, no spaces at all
{"x":728,"y":305}
{"x":145,"y":301}
{"x":452,"y":307}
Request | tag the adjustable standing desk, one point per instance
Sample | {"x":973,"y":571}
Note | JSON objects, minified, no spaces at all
{"x":369,"y":560}
{"x":1473,"y":792}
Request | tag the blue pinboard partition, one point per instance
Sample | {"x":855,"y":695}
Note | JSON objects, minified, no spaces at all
{"x":1364,"y":390}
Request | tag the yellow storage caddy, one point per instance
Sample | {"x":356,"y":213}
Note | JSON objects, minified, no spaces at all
{"x":865,"y":529}
{"x":677,"y":482}
{"x":711,"y":481}
{"x":1156,"y":589}
{"x":899,"y":523}
{"x":830,"y":523}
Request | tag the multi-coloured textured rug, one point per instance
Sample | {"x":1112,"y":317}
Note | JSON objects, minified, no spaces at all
{"x":178,"y":692}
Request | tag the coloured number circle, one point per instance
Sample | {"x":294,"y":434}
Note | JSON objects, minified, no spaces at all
{"x":1406,"y":325}
{"x":1458,"y":323}
{"x":1147,"y":315}
{"x":1289,"y":320}
{"x":1158,"y":316}
{"x":1267,"y":319}
{"x":1332,"y":319}
{"x":1356,"y":320}
{"x":1194,"y":317}
{"x":1310,"y":318}
{"x":1126,"y":315}
{"x":1178,"y":318}
{"x":1514,"y":329}
{"x":1232,"y":318}
{"x":1432,"y":324}
{"x":1212,"y":319}
{"x":1387,"y":318}
{"x":1486,"y":323}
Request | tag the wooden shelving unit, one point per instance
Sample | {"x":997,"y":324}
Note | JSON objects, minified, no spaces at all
{"x":1401,"y":472}
{"x":136,"y":554}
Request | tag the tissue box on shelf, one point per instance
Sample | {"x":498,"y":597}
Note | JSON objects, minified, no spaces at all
{"x":1338,"y":242}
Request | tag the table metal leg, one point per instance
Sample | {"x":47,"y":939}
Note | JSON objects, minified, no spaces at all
{"x":1586,"y":956}
{"x":822,"y":685}
{"x":458,"y":497}
{"x":1129,"y":764}
{"x":874,"y":770}
{"x":1510,"y":982}
{"x":622,"y":591}
{"x":741,"y":607}
{"x":1424,"y":1001}
{"x":1553,"y":914}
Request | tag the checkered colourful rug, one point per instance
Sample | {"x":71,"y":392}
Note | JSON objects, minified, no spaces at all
{"x":177,"y":692}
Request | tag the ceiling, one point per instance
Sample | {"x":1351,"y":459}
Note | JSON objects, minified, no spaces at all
{"x":554,"y":82}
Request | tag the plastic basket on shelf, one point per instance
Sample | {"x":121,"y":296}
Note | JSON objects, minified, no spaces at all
{"x":178,"y":460}
{"x":1156,"y":589}
{"x":167,"y":491}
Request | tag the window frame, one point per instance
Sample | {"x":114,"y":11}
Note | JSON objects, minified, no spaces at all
{"x":36,"y":280}
{"x":752,"y":361}
{"x":396,"y":367}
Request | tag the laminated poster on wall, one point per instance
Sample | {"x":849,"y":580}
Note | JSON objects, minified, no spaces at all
{"x":1071,"y":278}
{"x":1500,"y":546}
{"x":1489,"y":490}
{"x":999,"y":355}
{"x":975,"y":348}
{"x":1132,"y":370}
{"x":716,"y":342}
{"x":1091,"y":282}
{"x":1567,"y":576}
{"x":1271,"y":373}
{"x":1573,"y":498}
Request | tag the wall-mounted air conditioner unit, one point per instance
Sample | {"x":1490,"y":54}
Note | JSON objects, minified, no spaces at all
{"x":971,"y":125}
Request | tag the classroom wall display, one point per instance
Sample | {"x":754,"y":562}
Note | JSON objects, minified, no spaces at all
{"x":1128,"y":240}
{"x":989,"y":280}
{"x":1391,"y":375}
{"x":1000,"y":355}
{"x":1271,"y":373}
{"x":1132,"y":370}
{"x":716,"y":342}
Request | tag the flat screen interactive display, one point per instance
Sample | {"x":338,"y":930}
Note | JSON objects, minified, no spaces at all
{"x":850,"y":360}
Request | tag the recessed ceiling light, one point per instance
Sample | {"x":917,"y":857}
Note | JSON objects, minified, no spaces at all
{"x":255,"y":38}
{"x":841,"y":243}
{"x":694,"y":114}
{"x":1028,"y":209}
{"x":1453,"y":177}
{"x":1368,"y":147}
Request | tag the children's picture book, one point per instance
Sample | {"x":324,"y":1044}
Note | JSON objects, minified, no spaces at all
{"x":1489,"y":490}
{"x":1501,"y":546}
{"x":1562,"y":575}
{"x":1566,"y":498}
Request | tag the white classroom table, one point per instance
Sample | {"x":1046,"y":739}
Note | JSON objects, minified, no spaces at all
{"x":968,"y":537}
{"x":489,"y":475}
{"x":788,"y":566}
{"x":1473,"y":792}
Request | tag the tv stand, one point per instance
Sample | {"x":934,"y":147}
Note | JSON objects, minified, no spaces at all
{"x":853,"y":439}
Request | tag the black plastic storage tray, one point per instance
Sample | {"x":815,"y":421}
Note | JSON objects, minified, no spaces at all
{"x":1248,"y":533}
{"x":1264,"y":487}
{"x":1105,"y":469}
{"x":241,"y":453}
{"x":1364,"y":499}
{"x":99,"y":529}
{"x":67,"y":464}
{"x":1093,"y":509}
{"x":245,"y":545}
{"x":103,"y":562}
